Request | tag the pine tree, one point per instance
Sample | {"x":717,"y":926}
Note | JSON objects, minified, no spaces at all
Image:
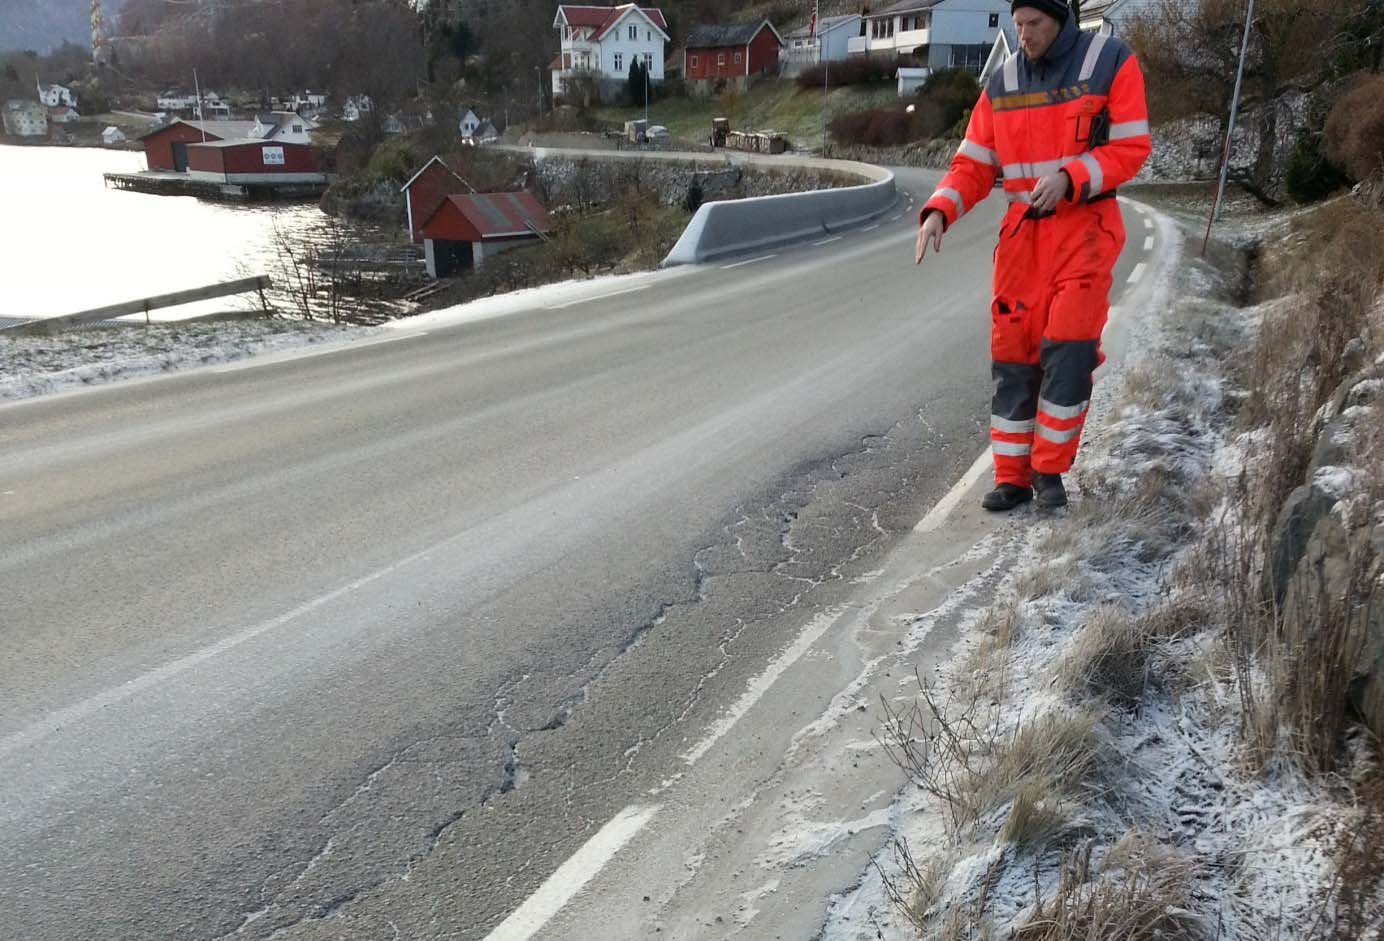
{"x":636,"y":81}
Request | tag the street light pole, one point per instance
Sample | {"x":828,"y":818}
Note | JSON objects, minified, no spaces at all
{"x":1230,"y":130}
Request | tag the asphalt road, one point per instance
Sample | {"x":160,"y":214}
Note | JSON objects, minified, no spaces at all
{"x":368,"y":643}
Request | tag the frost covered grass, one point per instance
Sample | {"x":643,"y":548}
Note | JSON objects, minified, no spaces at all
{"x":1153,"y":732}
{"x":37,"y":365}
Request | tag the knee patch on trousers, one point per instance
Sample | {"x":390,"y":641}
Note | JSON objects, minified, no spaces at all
{"x":1079,"y":310}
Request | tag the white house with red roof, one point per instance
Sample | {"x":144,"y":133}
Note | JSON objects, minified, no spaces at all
{"x":601,"y":42}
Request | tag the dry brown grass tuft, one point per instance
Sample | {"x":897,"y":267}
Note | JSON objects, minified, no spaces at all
{"x":1112,"y":651}
{"x":1033,"y":818}
{"x":1140,"y":890}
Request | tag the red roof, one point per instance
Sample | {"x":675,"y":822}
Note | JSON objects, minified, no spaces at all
{"x":603,"y":18}
{"x":487,"y":216}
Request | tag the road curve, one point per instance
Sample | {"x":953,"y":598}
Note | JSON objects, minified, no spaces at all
{"x":367,"y":644}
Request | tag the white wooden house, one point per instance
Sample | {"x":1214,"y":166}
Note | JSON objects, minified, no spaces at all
{"x":600,"y":43}
{"x":938,"y":34}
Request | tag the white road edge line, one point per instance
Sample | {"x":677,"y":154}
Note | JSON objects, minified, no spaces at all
{"x":598,"y":297}
{"x":573,"y":875}
{"x":1148,"y":244}
{"x":834,"y":238}
{"x":939,"y":513}
{"x":765,"y":681}
{"x":870,"y":228}
{"x":1138,"y":272}
{"x":752,"y":261}
{"x":294,"y":355}
{"x":1148,"y":223}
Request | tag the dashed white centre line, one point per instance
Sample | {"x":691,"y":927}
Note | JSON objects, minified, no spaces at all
{"x":573,"y":875}
{"x":1138,"y":272}
{"x":1148,"y":244}
{"x":752,"y":261}
{"x":870,"y":228}
{"x":834,"y":238}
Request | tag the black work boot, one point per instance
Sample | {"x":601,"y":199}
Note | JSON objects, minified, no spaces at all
{"x":1050,"y":492}
{"x":1005,"y":497}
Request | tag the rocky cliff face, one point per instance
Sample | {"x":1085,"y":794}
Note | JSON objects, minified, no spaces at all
{"x":1326,"y":572}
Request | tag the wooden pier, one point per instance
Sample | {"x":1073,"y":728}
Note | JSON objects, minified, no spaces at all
{"x":162,"y":183}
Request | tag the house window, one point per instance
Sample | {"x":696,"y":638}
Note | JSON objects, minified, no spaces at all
{"x":862,"y":27}
{"x":634,"y":32}
{"x":994,"y":20}
{"x":619,"y":62}
{"x":720,"y":59}
{"x":738,"y":58}
{"x":694,"y":62}
{"x":297,"y":129}
{"x":648,"y":60}
{"x":891,"y":27}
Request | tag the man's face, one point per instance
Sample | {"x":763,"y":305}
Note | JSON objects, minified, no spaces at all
{"x":1036,"y":30}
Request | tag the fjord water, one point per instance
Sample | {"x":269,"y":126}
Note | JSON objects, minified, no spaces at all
{"x":67,"y":243}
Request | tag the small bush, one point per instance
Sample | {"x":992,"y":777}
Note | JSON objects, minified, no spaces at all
{"x":1354,"y":133}
{"x":953,"y":92}
{"x":861,"y":70}
{"x":1309,"y":176}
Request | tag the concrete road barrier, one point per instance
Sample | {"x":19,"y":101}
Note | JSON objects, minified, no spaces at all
{"x":739,"y":225}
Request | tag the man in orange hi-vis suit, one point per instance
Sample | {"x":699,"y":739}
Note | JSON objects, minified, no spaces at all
{"x":1066,"y":123}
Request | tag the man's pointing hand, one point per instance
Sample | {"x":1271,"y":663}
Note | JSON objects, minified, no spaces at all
{"x":929,"y":233}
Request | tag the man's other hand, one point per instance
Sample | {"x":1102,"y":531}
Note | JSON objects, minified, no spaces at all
{"x":930,"y":233}
{"x":1049,"y":191}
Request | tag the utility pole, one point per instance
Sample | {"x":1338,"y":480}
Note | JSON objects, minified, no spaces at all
{"x":197,"y":90}
{"x":1230,"y":130}
{"x":826,"y":89}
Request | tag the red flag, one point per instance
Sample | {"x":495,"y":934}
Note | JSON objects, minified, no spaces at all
{"x":812,"y":23}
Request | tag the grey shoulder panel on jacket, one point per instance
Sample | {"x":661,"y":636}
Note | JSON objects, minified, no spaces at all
{"x":1100,"y":57}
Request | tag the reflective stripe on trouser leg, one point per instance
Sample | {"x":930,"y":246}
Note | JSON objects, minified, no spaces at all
{"x":1013,"y":413}
{"x":1062,"y":402}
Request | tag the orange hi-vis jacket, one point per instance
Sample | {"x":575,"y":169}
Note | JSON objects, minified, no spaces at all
{"x":1080,"y":110}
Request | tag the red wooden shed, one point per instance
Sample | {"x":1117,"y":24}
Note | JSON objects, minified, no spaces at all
{"x":740,"y":51}
{"x":467,"y":229}
{"x":165,"y":148}
{"x":254,"y":161}
{"x":425,"y":191}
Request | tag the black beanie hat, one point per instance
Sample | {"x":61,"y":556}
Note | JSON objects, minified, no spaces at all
{"x":1057,"y":9}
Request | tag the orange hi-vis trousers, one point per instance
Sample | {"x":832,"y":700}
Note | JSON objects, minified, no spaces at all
{"x":1051,"y":300}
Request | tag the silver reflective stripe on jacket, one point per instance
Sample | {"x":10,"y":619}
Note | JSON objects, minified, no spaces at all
{"x":1011,"y":73}
{"x":1097,"y":174}
{"x":1088,"y":67}
{"x":1129,"y":129}
{"x":1014,"y":171}
{"x":954,"y":196}
{"x":970,"y":148}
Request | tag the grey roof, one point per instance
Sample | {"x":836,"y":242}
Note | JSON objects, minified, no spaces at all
{"x":825,"y":25}
{"x":713,"y":37}
{"x":226,"y":130}
{"x":903,"y":6}
{"x":244,"y":142}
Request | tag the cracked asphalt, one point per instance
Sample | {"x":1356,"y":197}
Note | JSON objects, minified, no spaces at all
{"x":365,"y":645}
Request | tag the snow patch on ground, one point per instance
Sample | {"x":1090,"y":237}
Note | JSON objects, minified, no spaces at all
{"x":40,"y":365}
